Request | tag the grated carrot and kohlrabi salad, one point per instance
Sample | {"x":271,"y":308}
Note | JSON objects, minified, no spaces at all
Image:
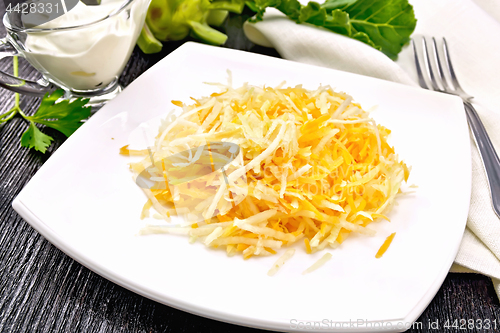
{"x":313,"y":167}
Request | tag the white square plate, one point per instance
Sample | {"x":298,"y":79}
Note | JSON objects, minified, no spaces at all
{"x":84,"y":201}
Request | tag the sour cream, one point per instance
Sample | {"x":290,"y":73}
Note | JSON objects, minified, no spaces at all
{"x":88,"y":57}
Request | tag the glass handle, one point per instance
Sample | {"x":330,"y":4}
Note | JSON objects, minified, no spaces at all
{"x":15,"y":84}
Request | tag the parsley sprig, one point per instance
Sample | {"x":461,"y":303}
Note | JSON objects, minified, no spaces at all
{"x":65,"y":116}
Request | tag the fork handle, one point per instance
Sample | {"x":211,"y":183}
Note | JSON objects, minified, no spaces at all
{"x":488,"y":154}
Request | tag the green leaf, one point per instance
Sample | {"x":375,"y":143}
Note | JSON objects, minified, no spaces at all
{"x":49,"y":99}
{"x":383,"y":24}
{"x":34,"y":138}
{"x":387,"y":23}
{"x":65,"y":116}
{"x":253,"y":7}
{"x":362,"y":37}
{"x":259,"y":7}
{"x":290,"y":8}
{"x":338,"y":22}
{"x":263,"y":4}
{"x":337,"y":4}
{"x":313,"y":13}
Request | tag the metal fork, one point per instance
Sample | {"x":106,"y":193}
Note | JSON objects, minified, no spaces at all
{"x":439,"y":83}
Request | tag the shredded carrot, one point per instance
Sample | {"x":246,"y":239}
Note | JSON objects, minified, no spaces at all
{"x":125,"y":151}
{"x":241,"y":247}
{"x":310,"y":164}
{"x":268,"y":249}
{"x":385,"y":246}
{"x":308,"y":246}
{"x":381,"y":216}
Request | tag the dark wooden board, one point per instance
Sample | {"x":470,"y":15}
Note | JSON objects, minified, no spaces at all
{"x":44,"y":290}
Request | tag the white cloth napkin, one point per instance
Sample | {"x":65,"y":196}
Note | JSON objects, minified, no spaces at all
{"x":472,"y":30}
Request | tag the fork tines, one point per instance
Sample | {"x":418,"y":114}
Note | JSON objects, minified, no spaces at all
{"x":436,"y":67}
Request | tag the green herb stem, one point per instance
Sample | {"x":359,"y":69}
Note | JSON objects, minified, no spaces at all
{"x":17,"y":100}
{"x":64,"y":116}
{"x":16,"y":74}
{"x":8,"y":115}
{"x":21,"y":112}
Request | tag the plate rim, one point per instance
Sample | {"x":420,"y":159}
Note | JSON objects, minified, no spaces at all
{"x":52,"y":236}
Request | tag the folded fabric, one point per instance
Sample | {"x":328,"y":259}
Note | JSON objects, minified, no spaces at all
{"x":472,"y":30}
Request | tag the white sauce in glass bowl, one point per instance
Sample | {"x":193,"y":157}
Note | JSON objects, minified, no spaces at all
{"x":89,"y":57}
